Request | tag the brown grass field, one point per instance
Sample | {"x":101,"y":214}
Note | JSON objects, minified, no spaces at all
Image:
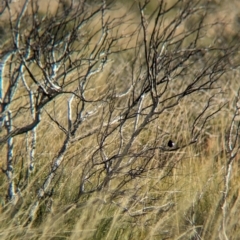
{"x":179,"y":195}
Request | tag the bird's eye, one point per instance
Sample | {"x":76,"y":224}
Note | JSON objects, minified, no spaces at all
{"x":171,"y":143}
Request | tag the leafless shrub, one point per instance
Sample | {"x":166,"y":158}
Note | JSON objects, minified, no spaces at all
{"x":70,"y":70}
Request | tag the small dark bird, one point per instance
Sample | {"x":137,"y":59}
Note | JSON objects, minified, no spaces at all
{"x":171,"y":143}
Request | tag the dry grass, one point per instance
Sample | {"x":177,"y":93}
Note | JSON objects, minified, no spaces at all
{"x":178,"y":205}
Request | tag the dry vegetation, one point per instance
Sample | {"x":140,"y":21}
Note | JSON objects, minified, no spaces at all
{"x":91,"y":94}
